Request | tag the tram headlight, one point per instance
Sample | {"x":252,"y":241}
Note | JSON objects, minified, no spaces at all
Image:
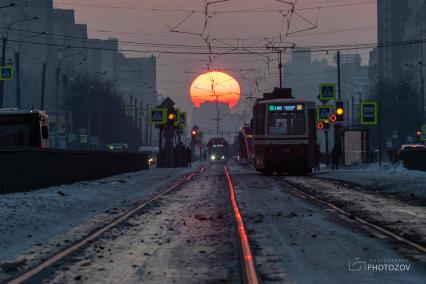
{"x":212,"y":157}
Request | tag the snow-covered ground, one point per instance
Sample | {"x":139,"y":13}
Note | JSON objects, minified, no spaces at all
{"x":35,"y":223}
{"x":187,"y":236}
{"x":390,"y":179}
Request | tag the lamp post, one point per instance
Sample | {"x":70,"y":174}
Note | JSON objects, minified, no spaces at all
{"x":3,"y":53}
{"x":43,"y":79}
{"x":420,"y":67}
{"x":18,"y":68}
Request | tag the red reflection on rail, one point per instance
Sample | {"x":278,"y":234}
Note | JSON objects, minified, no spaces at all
{"x":249,"y":267}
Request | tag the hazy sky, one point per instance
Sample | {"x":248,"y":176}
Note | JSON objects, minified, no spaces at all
{"x":338,"y":22}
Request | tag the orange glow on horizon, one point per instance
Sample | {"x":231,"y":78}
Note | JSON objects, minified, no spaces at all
{"x":215,"y":86}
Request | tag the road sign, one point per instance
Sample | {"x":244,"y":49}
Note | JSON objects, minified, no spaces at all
{"x":6,"y":72}
{"x":324,"y":112}
{"x":182,"y":119}
{"x":327,"y":92}
{"x":157,"y":116}
{"x":83,"y":138}
{"x":369,"y":113}
{"x":129,"y":111}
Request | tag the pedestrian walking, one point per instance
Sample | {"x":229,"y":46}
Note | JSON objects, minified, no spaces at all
{"x":188,"y":155}
{"x":336,"y":153}
{"x":317,"y":157}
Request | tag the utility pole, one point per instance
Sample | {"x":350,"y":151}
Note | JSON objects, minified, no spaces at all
{"x":3,"y":61}
{"x":57,"y":79}
{"x":327,"y":151}
{"x":18,"y":79}
{"x":43,"y":83}
{"x":280,"y":67}
{"x":148,"y":129}
{"x":4,"y":44}
{"x":422,"y":89}
{"x":136,"y":125}
{"x":339,"y":93}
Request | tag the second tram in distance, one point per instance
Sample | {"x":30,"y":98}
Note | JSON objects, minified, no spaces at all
{"x":217,"y":150}
{"x":284,"y":134}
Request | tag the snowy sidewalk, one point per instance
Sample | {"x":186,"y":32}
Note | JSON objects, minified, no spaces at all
{"x":390,"y":179}
{"x":64,"y":213}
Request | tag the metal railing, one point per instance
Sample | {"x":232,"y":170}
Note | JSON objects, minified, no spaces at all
{"x":30,"y":169}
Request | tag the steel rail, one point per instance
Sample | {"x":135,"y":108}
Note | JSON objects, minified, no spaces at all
{"x":76,"y":246}
{"x":360,"y":220}
{"x":249,"y":269}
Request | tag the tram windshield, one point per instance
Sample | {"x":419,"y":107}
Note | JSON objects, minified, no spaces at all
{"x":286,"y":123}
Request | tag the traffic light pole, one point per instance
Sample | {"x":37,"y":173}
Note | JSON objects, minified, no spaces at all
{"x":327,"y":151}
{"x":3,"y":61}
{"x":339,"y":93}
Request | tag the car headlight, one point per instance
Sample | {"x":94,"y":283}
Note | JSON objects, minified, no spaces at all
{"x":222,"y":158}
{"x":213,"y":157}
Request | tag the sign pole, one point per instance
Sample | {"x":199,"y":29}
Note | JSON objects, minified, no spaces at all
{"x":380,"y":133}
{"x":327,"y":152}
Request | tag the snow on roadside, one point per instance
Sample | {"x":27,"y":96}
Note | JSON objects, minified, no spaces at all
{"x":393,"y":179}
{"x":30,"y":218}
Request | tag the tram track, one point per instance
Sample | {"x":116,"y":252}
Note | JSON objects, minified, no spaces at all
{"x":247,"y":260}
{"x":353,"y":216}
{"x":76,"y":246}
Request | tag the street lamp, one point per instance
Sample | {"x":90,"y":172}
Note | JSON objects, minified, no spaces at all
{"x":43,"y":79}
{"x":3,"y":54}
{"x":18,"y":66}
{"x":420,"y":66}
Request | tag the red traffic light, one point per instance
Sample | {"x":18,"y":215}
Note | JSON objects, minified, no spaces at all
{"x":320,"y":125}
{"x":194,"y":133}
{"x":333,"y":118}
{"x":418,"y":133}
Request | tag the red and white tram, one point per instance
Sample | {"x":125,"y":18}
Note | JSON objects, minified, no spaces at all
{"x":284,"y":134}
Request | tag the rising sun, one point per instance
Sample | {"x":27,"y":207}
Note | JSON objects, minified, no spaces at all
{"x":215,"y":86}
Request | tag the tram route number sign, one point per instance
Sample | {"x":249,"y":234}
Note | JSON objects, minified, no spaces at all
{"x":369,"y":113}
{"x":324,"y":112}
{"x":157,"y":116}
{"x":285,"y":107}
{"x":327,"y":92}
{"x":6,"y":72}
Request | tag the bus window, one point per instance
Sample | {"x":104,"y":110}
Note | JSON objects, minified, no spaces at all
{"x":17,"y":135}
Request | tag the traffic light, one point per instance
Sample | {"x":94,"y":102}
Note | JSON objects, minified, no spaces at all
{"x":340,"y":110}
{"x":171,"y":117}
{"x":323,"y":125}
{"x":194,"y":134}
{"x":333,"y":118}
{"x":418,"y":134}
